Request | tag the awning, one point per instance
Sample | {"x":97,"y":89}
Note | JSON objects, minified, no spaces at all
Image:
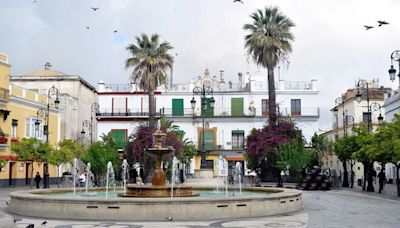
{"x":235,"y":158}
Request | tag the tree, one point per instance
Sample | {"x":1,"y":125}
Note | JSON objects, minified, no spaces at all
{"x":364,"y":139}
{"x":385,"y":146}
{"x":99,"y":154}
{"x":261,"y":147}
{"x":319,"y":145}
{"x":344,"y":148}
{"x":269,"y":42}
{"x":31,"y":149}
{"x":292,"y":157}
{"x":68,"y":150}
{"x":150,"y":61}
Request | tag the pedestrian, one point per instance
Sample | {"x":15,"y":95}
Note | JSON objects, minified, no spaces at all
{"x":381,"y":177}
{"x":82,"y":179}
{"x":38,"y":178}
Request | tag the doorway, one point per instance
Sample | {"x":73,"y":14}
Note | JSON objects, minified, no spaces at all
{"x":28,"y":173}
{"x":11,"y":174}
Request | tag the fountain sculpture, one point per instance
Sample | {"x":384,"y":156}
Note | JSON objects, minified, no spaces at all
{"x":158,"y":188}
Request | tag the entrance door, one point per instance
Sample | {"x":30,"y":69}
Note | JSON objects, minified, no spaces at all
{"x":11,"y":173}
{"x":28,"y":173}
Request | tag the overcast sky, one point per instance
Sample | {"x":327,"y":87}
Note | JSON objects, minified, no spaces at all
{"x":331,"y":44}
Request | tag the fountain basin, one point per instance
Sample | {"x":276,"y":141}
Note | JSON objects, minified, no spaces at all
{"x":36,"y":203}
{"x":133,"y":190}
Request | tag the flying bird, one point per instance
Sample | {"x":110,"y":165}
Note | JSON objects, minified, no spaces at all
{"x":30,"y":226}
{"x":44,"y":222}
{"x":17,"y":220}
{"x":94,"y":8}
{"x":382,"y":23}
{"x":7,"y":203}
{"x":368,"y":27}
{"x":34,"y":1}
{"x":87,"y":27}
{"x":115,"y":31}
{"x":238,"y":1}
{"x":169,"y":218}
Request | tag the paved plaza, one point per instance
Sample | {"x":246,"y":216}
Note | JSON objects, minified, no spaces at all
{"x":336,"y":208}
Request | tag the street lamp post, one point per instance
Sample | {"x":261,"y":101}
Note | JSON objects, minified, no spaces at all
{"x":94,"y":111}
{"x":203,"y":92}
{"x":395,"y":56}
{"x":53,"y":91}
{"x":86,"y":124}
{"x":370,"y":187}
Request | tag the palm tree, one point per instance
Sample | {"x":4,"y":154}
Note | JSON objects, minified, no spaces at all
{"x":150,"y":61}
{"x":268,"y":42}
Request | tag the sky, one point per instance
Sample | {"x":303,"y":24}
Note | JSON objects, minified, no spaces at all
{"x":331,"y":44}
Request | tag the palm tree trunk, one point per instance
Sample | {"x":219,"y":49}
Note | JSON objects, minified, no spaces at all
{"x":151,"y":109}
{"x":271,"y":97}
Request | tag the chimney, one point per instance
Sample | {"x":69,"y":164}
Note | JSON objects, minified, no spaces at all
{"x":221,"y":76}
{"x":47,"y":66}
{"x":240,"y":75}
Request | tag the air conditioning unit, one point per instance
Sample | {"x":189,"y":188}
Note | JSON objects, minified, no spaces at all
{"x":224,"y":113}
{"x":220,"y":146}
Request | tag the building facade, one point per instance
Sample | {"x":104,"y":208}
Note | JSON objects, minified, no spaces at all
{"x":239,"y":107}
{"x":77,"y":99}
{"x":18,"y":115}
{"x":348,"y":113}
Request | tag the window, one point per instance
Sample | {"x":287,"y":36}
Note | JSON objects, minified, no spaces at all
{"x":208,"y":139}
{"x":208,"y":110}
{"x":120,"y":137}
{"x":295,"y":107}
{"x":30,"y":128}
{"x":366,"y":117}
{"x":119,"y":106}
{"x":237,"y":139}
{"x":264,"y":107}
{"x":177,"y":107}
{"x":237,"y":106}
{"x":14,"y":125}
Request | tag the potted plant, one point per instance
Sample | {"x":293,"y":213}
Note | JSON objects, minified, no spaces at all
{"x":3,"y":138}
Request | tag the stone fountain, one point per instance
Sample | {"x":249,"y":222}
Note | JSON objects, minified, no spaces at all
{"x":158,"y":187}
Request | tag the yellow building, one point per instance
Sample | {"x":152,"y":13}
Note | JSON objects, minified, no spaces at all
{"x":19,"y":111}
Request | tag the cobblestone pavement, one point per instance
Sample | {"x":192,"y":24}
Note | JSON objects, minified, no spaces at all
{"x":336,"y":208}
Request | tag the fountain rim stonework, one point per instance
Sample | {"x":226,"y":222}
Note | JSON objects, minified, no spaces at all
{"x":36,"y":203}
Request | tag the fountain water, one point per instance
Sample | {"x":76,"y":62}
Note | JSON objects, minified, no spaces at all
{"x":173,"y":175}
{"x":89,"y":175}
{"x":75,"y":173}
{"x":110,"y":176}
{"x":238,"y":175}
{"x":125,"y":173}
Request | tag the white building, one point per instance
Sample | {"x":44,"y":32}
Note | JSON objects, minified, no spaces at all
{"x":76,"y":98}
{"x":239,"y":107}
{"x":348,"y":112}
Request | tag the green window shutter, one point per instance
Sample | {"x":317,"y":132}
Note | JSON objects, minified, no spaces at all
{"x":237,"y":107}
{"x":119,"y":137}
{"x":208,"y":111}
{"x":209,"y":139}
{"x":177,"y":107}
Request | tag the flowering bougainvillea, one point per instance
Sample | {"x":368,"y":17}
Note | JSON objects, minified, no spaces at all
{"x":262,"y":144}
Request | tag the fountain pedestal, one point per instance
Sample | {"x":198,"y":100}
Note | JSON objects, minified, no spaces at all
{"x":158,"y":188}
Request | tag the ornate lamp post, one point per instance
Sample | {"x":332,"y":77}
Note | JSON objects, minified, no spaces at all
{"x":86,"y":124}
{"x":203,"y":92}
{"x":340,"y":101}
{"x":370,"y":187}
{"x":42,"y":112}
{"x":395,"y":56}
{"x":53,"y":91}
{"x":95,"y":110}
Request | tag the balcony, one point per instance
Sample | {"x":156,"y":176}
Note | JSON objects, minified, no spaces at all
{"x":137,"y":113}
{"x":304,"y":112}
{"x":188,"y":112}
{"x":4,"y":96}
